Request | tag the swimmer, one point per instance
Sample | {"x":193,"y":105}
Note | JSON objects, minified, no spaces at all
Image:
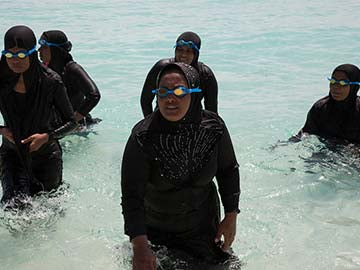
{"x":187,"y":50}
{"x":168,"y":193}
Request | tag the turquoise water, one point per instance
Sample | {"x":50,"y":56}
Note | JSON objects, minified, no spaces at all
{"x":300,"y":203}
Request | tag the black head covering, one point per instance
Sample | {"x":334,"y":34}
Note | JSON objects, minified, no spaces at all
{"x":353,"y":74}
{"x":21,"y":36}
{"x":191,"y":75}
{"x":60,"y":55}
{"x":191,"y":36}
{"x":185,"y":146}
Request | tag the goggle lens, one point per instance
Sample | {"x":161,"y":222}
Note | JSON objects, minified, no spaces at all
{"x":21,"y":55}
{"x":179,"y":92}
{"x":8,"y":55}
{"x":341,"y":82}
{"x":162,"y":92}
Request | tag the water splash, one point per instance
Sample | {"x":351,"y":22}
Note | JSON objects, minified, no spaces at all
{"x":40,"y":212}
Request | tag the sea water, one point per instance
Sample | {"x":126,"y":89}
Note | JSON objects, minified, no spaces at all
{"x":300,"y":202}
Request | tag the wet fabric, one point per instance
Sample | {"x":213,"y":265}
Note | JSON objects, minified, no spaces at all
{"x":27,"y":114}
{"x":168,"y":170}
{"x":331,"y":119}
{"x":208,"y":82}
{"x":83,"y":93}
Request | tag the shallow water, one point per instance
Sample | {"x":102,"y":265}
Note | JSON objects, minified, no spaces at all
{"x":299,"y":202}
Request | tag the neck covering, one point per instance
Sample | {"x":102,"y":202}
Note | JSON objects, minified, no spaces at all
{"x":191,"y":36}
{"x":181,"y":147}
{"x":60,"y":55}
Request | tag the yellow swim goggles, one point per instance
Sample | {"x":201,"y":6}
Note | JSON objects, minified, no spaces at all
{"x":178,"y":91}
{"x":341,"y":82}
{"x":20,"y":54}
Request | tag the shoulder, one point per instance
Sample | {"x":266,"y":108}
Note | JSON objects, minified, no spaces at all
{"x":143,"y":125}
{"x":211,"y":120}
{"x":204,"y":70}
{"x":73,"y":67}
{"x":50,"y":76}
{"x":321,"y":103}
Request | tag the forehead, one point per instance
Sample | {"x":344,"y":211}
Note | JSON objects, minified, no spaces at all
{"x":184,"y":48}
{"x":340,"y":75}
{"x":16,"y":49}
{"x":173,"y":77}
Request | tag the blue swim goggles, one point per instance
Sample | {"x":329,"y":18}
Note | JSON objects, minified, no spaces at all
{"x":341,"y":82}
{"x":178,"y":91}
{"x":189,"y":44}
{"x":43,"y":42}
{"x":20,"y":54}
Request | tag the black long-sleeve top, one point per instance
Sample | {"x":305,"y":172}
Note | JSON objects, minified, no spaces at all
{"x":144,"y":187}
{"x":208,"y":85}
{"x":81,"y":89}
{"x":50,"y":93}
{"x":330,"y":119}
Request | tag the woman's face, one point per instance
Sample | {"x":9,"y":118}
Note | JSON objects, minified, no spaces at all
{"x":337,"y":91}
{"x":45,"y":54}
{"x":184,"y":54}
{"x":16,"y":64}
{"x":171,"y":107}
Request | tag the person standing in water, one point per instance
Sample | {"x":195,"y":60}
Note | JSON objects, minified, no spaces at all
{"x":81,"y":89}
{"x":30,"y":154}
{"x":168,"y":193}
{"x":187,"y":50}
{"x":337,"y":116}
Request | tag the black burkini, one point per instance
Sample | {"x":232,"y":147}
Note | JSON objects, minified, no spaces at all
{"x":81,"y":89}
{"x":331,"y":119}
{"x":22,"y":172}
{"x":208,"y":82}
{"x":167,"y":174}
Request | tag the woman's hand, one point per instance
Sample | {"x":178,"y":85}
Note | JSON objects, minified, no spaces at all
{"x":7,"y":134}
{"x":144,"y":258}
{"x":36,"y":141}
{"x":227,"y":228}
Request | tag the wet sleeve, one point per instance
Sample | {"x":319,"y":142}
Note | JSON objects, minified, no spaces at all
{"x":310,"y":127}
{"x":87,"y":86}
{"x":63,"y":106}
{"x":210,"y":91}
{"x":147,"y":96}
{"x":227,"y":175}
{"x":134,"y":175}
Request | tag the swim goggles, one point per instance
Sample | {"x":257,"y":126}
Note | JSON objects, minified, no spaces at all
{"x":178,"y":91}
{"x":189,"y":44}
{"x":341,"y":82}
{"x":43,"y":42}
{"x":20,"y":54}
